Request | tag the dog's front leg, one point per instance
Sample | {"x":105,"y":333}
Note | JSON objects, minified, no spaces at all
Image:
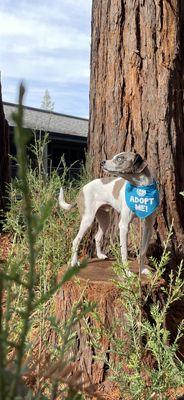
{"x":123,"y":231}
{"x":146,"y":236}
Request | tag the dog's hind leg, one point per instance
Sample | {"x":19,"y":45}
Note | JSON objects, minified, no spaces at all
{"x":103,"y":218}
{"x":86,"y":221}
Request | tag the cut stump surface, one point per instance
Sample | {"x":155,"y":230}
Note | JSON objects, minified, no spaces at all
{"x":101,"y":271}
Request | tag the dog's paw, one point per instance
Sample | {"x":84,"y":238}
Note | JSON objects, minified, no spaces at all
{"x":74,"y":263}
{"x":102,"y":256}
{"x":145,"y":271}
{"x":128,"y":273}
{"x":124,"y":275}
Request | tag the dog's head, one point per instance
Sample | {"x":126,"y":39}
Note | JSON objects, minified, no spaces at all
{"x":124,"y":163}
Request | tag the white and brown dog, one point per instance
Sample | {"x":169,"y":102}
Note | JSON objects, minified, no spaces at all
{"x":96,"y":198}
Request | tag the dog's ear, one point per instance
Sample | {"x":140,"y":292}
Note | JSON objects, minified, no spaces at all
{"x":139,"y":164}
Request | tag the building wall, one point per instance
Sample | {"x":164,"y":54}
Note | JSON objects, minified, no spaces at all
{"x":71,"y":147}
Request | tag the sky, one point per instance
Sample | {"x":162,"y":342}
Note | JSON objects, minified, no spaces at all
{"x":46,"y":43}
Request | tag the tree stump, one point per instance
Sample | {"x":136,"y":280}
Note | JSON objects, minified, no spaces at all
{"x":96,"y":284}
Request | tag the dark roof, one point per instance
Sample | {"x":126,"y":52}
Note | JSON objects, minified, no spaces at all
{"x":48,"y":121}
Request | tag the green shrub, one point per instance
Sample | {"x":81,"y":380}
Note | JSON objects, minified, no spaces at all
{"x":41,"y":241}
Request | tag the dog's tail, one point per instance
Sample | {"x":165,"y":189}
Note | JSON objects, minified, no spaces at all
{"x":63,"y":203}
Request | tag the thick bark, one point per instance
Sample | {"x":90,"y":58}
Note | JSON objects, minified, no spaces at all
{"x":4,"y":156}
{"x":136,"y":96}
{"x":95,"y":285}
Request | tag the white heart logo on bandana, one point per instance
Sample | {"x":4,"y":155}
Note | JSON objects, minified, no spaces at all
{"x":141,"y":192}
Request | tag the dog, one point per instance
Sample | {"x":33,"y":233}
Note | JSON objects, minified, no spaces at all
{"x":97,"y":197}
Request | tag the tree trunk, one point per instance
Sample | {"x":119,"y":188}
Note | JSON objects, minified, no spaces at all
{"x":136,"y":95}
{"x":4,"y":156}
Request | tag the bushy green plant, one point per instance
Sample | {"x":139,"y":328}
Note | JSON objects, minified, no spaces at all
{"x":41,"y":242}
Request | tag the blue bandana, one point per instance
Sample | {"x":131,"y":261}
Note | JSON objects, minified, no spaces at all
{"x":142,"y":200}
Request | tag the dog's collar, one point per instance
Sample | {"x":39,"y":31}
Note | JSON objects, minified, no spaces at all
{"x":140,"y":171}
{"x":133,"y":172}
{"x":142,"y":200}
{"x":146,"y":164}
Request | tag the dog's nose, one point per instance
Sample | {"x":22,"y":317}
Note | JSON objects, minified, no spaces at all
{"x":102,"y":163}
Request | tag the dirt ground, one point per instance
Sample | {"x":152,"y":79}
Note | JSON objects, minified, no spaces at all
{"x":5,"y":245}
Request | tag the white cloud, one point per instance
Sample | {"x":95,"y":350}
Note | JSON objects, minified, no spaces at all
{"x":48,"y":69}
{"x":40,"y":35}
{"x":46,"y":43}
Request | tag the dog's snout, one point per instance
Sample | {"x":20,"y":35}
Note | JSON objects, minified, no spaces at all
{"x":102,"y":163}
